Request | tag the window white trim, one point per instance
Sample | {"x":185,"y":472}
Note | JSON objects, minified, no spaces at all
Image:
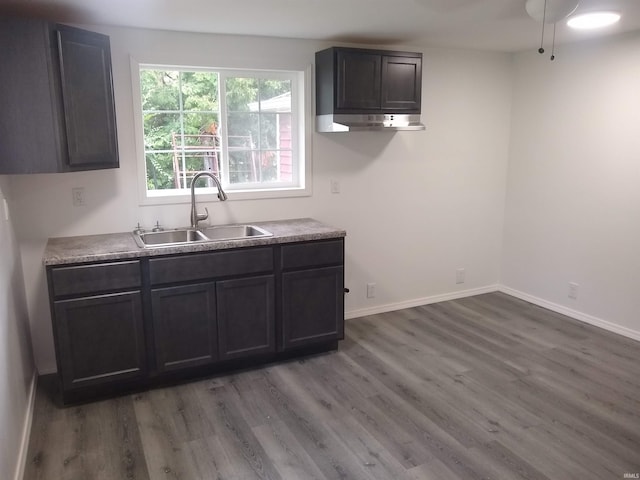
{"x":301,"y":95}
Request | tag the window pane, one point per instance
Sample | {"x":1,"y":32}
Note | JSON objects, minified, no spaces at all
{"x":200,"y":91}
{"x":242,"y":94}
{"x":243,"y":130}
{"x":160,"y":90}
{"x":242,"y":167}
{"x":285,"y":160}
{"x":201,"y":129}
{"x":268,"y":166}
{"x":189,"y":163}
{"x":268,"y":130}
{"x":275,"y":131}
{"x":195,"y":162}
{"x":202,"y":142}
{"x":160,"y":171}
{"x":285,"y":132}
{"x":275,"y":96}
{"x":161,"y":131}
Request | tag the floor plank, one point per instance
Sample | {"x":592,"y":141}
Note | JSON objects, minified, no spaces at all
{"x":485,"y":387}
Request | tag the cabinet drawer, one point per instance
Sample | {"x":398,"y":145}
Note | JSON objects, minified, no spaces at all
{"x":312,"y":254}
{"x":103,"y":277}
{"x":210,"y":265}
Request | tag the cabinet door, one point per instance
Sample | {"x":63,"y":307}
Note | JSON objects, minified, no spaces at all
{"x":87,"y":93}
{"x":184,"y":326}
{"x":30,"y":127}
{"x":57,"y":110}
{"x":401,"y":83}
{"x":313,"y":306}
{"x":99,"y":339}
{"x":358,"y":80}
{"x":246,"y":314}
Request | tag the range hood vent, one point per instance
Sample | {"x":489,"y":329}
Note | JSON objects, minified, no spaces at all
{"x":362,"y":123}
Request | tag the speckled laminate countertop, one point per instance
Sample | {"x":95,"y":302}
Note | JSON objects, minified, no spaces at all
{"x":118,"y":246}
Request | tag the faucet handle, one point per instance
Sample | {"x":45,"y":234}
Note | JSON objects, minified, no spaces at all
{"x":138,"y":230}
{"x":203,"y":216}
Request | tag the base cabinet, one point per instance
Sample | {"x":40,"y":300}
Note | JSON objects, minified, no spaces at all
{"x":136,"y":323}
{"x":313,"y":310}
{"x":184,"y":326}
{"x":312,"y":293}
{"x":197,"y":325}
{"x":100,"y":339}
{"x":246,"y":317}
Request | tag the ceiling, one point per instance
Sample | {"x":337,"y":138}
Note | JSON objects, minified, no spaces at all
{"x":500,"y":25}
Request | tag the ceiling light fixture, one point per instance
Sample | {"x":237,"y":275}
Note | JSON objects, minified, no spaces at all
{"x":588,"y":21}
{"x":550,"y":11}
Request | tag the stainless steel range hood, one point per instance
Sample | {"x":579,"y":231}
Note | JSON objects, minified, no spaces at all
{"x":359,"y":123}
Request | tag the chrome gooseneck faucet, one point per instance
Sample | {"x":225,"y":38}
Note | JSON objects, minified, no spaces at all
{"x":195,"y":216}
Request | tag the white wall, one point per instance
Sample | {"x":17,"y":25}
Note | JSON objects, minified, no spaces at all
{"x":416,"y":205}
{"x":17,"y":369}
{"x":573,"y":203}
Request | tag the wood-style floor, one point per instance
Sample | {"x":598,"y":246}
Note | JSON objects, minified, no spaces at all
{"x":487,"y":387}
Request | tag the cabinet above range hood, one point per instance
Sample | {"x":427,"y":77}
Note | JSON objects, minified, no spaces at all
{"x":364,"y":90}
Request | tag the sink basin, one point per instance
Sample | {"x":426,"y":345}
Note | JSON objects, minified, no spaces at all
{"x":185,"y":236}
{"x":169,"y":237}
{"x":233,"y":232}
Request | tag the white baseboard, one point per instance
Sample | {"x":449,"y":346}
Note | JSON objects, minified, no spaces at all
{"x":26,"y":429}
{"x":575,"y":314}
{"x":390,"y":307}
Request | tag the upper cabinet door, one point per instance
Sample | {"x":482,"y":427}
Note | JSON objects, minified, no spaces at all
{"x":87,"y":93}
{"x":56,"y":99}
{"x":358,"y":80}
{"x":401,"y":83}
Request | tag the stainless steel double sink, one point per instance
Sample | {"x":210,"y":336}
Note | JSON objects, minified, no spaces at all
{"x":187,"y":236}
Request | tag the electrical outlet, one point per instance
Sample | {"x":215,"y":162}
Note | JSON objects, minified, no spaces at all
{"x":335,"y":186}
{"x":371,"y":290}
{"x":573,"y":290}
{"x":460,"y":275}
{"x":77,"y":194}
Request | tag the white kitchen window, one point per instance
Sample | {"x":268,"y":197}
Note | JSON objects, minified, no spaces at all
{"x":246,"y":127}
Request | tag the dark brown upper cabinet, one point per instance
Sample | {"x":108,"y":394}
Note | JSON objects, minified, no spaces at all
{"x":57,"y":109}
{"x":362,"y":81}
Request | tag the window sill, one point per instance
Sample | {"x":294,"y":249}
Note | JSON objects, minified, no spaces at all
{"x":211,"y":195}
